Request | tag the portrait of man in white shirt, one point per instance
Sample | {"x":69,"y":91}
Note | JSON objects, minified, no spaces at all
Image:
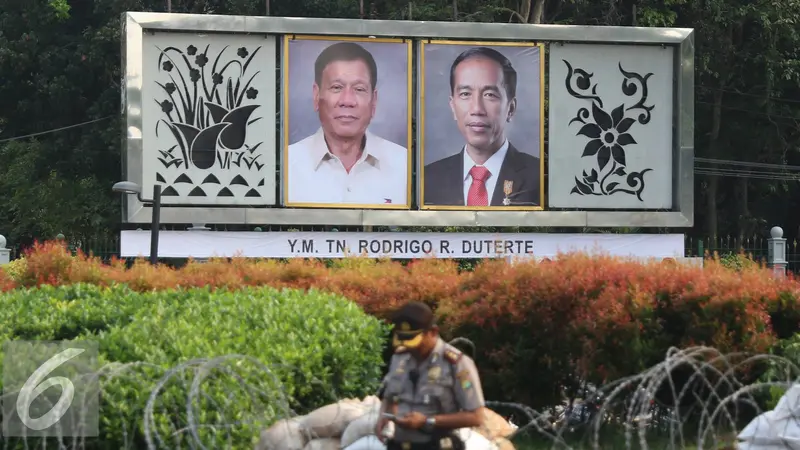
{"x":343,"y":162}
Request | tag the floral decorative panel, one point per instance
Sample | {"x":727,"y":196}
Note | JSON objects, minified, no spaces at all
{"x":610,"y":127}
{"x":208,"y":110}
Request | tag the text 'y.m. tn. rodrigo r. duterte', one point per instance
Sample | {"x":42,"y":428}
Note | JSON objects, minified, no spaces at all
{"x":411,"y":248}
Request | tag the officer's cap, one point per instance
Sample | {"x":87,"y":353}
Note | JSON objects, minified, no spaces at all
{"x":410,"y":321}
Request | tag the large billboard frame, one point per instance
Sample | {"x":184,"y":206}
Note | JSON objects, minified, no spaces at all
{"x":136,"y":24}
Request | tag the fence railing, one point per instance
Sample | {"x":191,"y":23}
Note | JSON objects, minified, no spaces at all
{"x":755,"y":246}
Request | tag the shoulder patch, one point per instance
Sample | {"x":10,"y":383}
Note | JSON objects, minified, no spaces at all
{"x":452,"y":356}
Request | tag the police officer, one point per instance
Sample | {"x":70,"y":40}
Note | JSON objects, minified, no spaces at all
{"x":431,"y":388}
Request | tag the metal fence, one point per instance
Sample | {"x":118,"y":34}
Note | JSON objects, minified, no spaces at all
{"x":103,"y":248}
{"x":753,"y":247}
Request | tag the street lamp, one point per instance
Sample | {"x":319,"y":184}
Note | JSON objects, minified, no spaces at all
{"x":131,"y":188}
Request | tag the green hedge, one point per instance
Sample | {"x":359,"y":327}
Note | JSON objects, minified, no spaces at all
{"x":294,"y":350}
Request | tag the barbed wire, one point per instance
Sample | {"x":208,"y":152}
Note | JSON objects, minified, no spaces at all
{"x":695,"y":396}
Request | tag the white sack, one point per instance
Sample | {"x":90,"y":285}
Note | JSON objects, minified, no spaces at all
{"x":779,"y":428}
{"x":494,"y":425}
{"x":287,"y":434}
{"x":474,"y":440}
{"x":323,"y":444}
{"x":746,"y":446}
{"x":367,"y":443}
{"x":360,"y":427}
{"x":371,"y":401}
{"x":503,"y":444}
{"x":331,"y":420}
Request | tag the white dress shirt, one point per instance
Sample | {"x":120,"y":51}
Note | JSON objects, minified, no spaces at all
{"x":493,"y":164}
{"x":380,"y":176}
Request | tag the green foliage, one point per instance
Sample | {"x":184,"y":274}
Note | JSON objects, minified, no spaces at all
{"x":15,"y":269}
{"x":60,"y":7}
{"x":737,"y":261}
{"x":296,"y":351}
{"x":782,"y":372}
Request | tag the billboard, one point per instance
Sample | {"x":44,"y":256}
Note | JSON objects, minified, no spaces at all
{"x":302,"y":121}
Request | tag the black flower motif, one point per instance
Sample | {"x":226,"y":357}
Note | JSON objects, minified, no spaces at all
{"x":584,"y":82}
{"x":609,"y":135}
{"x":236,"y":122}
{"x":204,"y":111}
{"x":166,"y":106}
{"x":590,"y":178}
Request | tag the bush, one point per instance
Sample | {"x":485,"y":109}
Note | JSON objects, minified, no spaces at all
{"x":576,"y":317}
{"x":736,"y":261}
{"x":785,"y":370}
{"x":289,"y":350}
{"x":7,"y":283}
{"x":15,"y":269}
{"x":599,"y":319}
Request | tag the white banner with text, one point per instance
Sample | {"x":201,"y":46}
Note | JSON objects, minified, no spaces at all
{"x":209,"y":244}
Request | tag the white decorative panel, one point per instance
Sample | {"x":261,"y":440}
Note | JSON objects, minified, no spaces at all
{"x":208,"y":107}
{"x":610,"y":126}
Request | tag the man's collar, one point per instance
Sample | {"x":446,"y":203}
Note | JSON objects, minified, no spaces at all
{"x":435,"y":353}
{"x":320,"y":152}
{"x":494,"y":163}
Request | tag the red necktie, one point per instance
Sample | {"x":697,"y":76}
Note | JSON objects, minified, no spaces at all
{"x":477,"y":195}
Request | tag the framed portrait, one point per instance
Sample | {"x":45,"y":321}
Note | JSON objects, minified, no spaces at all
{"x":481,"y":125}
{"x":347,"y":122}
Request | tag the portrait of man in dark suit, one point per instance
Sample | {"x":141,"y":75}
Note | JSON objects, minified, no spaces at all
{"x":487,"y":170}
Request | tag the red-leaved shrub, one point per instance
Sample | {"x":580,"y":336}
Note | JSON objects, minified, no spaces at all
{"x":538,"y":327}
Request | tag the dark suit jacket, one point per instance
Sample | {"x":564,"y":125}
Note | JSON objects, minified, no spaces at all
{"x":444,"y":180}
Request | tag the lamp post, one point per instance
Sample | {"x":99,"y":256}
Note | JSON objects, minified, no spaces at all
{"x":131,"y":188}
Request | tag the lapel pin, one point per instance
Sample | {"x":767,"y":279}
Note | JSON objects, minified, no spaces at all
{"x":508,"y":186}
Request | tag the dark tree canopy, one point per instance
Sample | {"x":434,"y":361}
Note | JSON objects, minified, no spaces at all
{"x":60,"y":65}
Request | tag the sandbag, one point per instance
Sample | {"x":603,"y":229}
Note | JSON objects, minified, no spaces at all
{"x":503,"y":444}
{"x":360,"y":427}
{"x":370,"y":442}
{"x":371,"y":401}
{"x":323,"y":444}
{"x":474,"y":440}
{"x":331,"y":420}
{"x":494,"y":426}
{"x":286,"y":434}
